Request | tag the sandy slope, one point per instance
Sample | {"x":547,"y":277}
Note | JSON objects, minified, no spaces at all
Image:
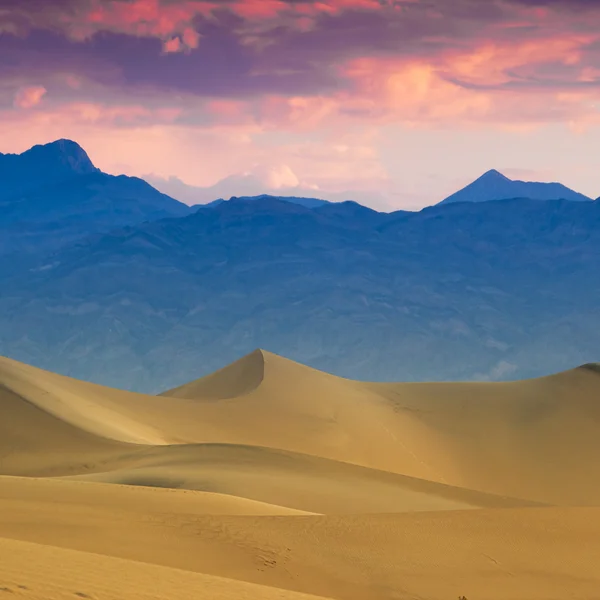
{"x":294,"y":481}
{"x":38,"y":572}
{"x":533,"y":553}
{"x":272,"y":473}
{"x":92,"y":408}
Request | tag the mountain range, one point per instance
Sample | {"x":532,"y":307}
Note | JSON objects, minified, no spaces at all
{"x":109,"y":280}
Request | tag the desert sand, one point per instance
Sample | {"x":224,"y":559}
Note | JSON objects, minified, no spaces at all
{"x":268,"y":479}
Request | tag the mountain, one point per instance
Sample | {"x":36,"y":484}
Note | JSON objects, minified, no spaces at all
{"x":307,"y":202}
{"x":352,"y":212}
{"x":42,"y":165}
{"x":459,"y":291}
{"x":52,"y":195}
{"x":493,"y":185}
{"x":302,"y":201}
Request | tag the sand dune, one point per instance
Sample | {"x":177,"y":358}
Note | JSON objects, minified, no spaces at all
{"x":285,"y":480}
{"x":533,"y":439}
{"x":38,"y":572}
{"x":91,"y":408}
{"x":291,"y":480}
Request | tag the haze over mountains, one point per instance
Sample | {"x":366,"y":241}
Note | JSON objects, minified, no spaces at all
{"x":273,"y":182}
{"x":499,"y":289}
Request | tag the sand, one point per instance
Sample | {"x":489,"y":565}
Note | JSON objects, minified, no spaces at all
{"x":269,"y":479}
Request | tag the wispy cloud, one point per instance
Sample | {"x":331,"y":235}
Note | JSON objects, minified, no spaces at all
{"x":28,"y":97}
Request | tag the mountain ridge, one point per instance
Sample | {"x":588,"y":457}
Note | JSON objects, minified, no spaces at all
{"x":444,"y":293}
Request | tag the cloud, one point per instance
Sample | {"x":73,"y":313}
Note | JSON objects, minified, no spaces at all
{"x":238,"y":49}
{"x":28,"y":97}
{"x":499,"y":372}
{"x":344,"y":26}
{"x":128,"y":116}
{"x":276,"y":177}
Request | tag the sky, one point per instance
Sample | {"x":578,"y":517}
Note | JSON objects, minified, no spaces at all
{"x":395,"y":103}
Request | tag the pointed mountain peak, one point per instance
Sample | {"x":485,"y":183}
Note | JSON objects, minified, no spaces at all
{"x":494,"y":174}
{"x":493,"y":185}
{"x":63,"y":153}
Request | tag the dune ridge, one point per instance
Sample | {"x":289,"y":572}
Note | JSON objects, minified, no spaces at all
{"x":237,"y":379}
{"x":270,"y":474}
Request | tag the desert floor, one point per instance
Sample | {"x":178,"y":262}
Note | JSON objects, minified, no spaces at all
{"x":270,"y":480}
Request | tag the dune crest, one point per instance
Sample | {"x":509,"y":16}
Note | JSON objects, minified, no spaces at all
{"x":237,"y":379}
{"x":594,"y":367}
{"x":86,"y":406}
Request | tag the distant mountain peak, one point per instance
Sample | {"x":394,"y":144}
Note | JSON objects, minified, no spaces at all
{"x":493,"y":185}
{"x":494,"y":174}
{"x":67,"y":153}
{"x":62,"y":144}
{"x":43,"y":165}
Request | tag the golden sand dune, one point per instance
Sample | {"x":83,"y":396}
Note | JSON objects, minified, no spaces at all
{"x":269,"y":473}
{"x":534,"y":439}
{"x":91,"y":408}
{"x":291,"y":480}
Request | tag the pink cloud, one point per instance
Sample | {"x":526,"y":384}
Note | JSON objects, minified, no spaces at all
{"x":172,"y":22}
{"x":28,"y":97}
{"x":474,"y":86}
{"x":73,"y":81}
{"x":494,"y":63}
{"x":91,"y":113}
{"x":172,"y":45}
{"x":225,"y":110}
{"x":168,"y":19}
{"x":188,"y":40}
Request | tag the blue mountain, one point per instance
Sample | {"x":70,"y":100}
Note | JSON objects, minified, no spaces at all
{"x":53,"y":194}
{"x":493,"y":185}
{"x":475,"y":290}
{"x":306,"y":202}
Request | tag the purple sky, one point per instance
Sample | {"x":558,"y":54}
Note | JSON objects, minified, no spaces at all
{"x":396,"y":103}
